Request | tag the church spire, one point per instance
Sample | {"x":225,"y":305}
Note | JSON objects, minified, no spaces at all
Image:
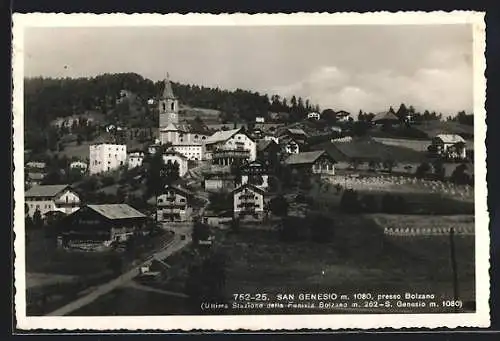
{"x":168,"y":93}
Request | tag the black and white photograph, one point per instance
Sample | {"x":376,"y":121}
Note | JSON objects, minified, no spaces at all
{"x":250,"y":171}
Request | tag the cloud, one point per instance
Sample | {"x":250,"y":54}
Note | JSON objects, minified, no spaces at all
{"x":446,"y":87}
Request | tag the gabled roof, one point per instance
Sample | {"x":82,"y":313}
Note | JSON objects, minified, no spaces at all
{"x":305,"y":157}
{"x":342,"y":113}
{"x":45,"y":191}
{"x":450,"y":138}
{"x":249,"y":186}
{"x":172,"y":151}
{"x":179,"y":189}
{"x":116,"y":211}
{"x":221,"y":136}
{"x":385,"y":116}
{"x":263,"y":144}
{"x":297,"y":131}
{"x":168,"y":93}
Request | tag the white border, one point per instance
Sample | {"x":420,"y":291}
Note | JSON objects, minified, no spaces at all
{"x":258,"y":322}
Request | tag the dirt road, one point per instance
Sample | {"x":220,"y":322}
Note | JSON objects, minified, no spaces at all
{"x":173,"y":246}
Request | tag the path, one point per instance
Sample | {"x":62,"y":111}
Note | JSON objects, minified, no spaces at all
{"x":135,"y":285}
{"x":173,"y":246}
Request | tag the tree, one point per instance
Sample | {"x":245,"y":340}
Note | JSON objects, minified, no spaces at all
{"x":154,"y":176}
{"x":423,"y":169}
{"x":373,"y":165}
{"x":389,"y":165}
{"x":460,"y":176}
{"x":37,"y":219}
{"x":170,"y":173}
{"x":279,"y":206}
{"x":349,"y":203}
{"x":439,"y":170}
{"x":200,"y":231}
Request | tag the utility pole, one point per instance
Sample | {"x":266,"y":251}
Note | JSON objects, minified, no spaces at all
{"x":454,"y":266}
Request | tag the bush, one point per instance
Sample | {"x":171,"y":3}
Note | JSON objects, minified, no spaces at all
{"x":108,"y":181}
{"x":349,"y":202}
{"x":423,"y":170}
{"x":460,"y":176}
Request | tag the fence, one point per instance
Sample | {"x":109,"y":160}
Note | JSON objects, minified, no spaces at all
{"x":408,"y":232}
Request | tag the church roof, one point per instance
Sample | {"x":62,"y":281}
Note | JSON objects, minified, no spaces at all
{"x":168,"y":93}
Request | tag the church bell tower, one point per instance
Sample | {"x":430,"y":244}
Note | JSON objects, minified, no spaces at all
{"x":168,"y":105}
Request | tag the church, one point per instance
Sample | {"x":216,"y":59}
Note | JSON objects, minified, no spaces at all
{"x":186,"y":138}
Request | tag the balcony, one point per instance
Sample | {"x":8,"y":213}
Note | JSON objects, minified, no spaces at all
{"x":231,"y":153}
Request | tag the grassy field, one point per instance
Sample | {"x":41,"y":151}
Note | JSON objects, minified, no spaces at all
{"x":360,"y":259}
{"x":208,"y":116}
{"x":55,"y":277}
{"x":417,"y":145}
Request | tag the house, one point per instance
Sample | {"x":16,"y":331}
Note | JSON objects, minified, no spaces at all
{"x":36,"y":165}
{"x":192,"y":151}
{"x":34,"y":178}
{"x":343,"y":116}
{"x":154,"y":148}
{"x":449,"y":145}
{"x":271,"y":138}
{"x":291,"y":145}
{"x":69,"y":121}
{"x":135,"y":159}
{"x":226,"y":126}
{"x":315,"y":162}
{"x":248,"y":200}
{"x":256,"y":173}
{"x":268,"y":150}
{"x":173,"y":204}
{"x":313,"y":116}
{"x":96,"y":227}
{"x":47,"y":198}
{"x":230,"y":146}
{"x":106,"y":157}
{"x":385,"y":118}
{"x":259,"y":119}
{"x":170,"y":156}
{"x":219,"y":180}
{"x":79,"y":165}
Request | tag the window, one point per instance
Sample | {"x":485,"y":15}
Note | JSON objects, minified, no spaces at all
{"x":173,"y":106}
{"x":182,"y":200}
{"x":164,"y":106}
{"x":66,"y":199}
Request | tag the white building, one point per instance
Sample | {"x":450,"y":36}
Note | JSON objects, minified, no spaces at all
{"x":226,"y":146}
{"x":271,"y":138}
{"x":171,"y":156}
{"x":46,"y":198}
{"x":191,"y":151}
{"x":135,"y":159}
{"x":80,"y":165}
{"x":107,"y":157}
{"x":36,"y":165}
{"x":260,"y":119}
{"x":313,"y":115}
{"x":248,"y":200}
{"x":450,"y":145}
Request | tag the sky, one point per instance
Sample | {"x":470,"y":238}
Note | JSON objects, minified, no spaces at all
{"x":348,"y":67}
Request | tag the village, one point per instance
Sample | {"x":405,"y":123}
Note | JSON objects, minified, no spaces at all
{"x":201,"y":211}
